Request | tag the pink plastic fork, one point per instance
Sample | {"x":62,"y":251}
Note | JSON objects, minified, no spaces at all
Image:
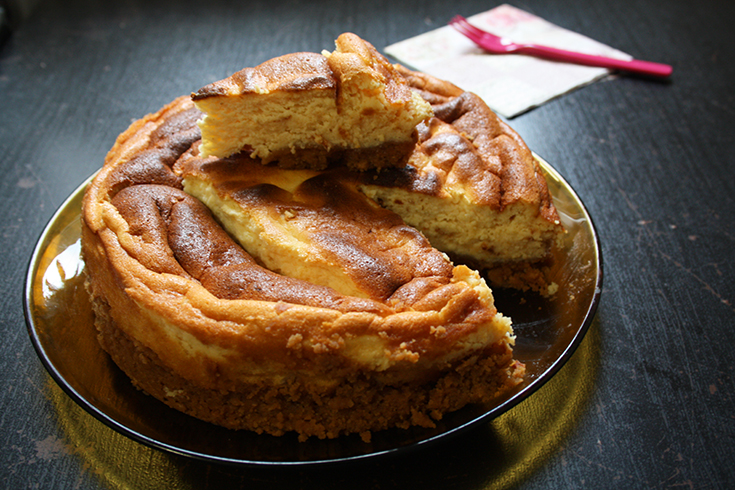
{"x":499,"y":45}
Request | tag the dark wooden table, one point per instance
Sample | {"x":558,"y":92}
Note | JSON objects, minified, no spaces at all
{"x":647,"y":400}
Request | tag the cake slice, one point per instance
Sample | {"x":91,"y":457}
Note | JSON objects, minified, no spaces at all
{"x":305,"y":110}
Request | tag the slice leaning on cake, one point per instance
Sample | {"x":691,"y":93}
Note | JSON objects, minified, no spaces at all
{"x":303,"y":110}
{"x":316,"y":298}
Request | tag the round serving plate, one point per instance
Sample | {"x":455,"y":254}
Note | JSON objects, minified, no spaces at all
{"x":61,"y":326}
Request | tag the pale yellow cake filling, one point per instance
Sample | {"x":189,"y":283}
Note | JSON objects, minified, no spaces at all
{"x":351,"y":98}
{"x":367,"y":117}
{"x":268,"y":124}
{"x":274,"y":239}
{"x":455,"y":224}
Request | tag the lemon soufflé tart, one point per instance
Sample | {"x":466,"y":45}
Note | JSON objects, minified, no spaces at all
{"x":312,"y":298}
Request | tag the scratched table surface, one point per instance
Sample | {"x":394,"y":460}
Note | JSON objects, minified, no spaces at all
{"x":647,"y":399}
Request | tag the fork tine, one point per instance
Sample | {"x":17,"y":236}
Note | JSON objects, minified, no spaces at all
{"x":458,"y":20}
{"x":459,"y":26}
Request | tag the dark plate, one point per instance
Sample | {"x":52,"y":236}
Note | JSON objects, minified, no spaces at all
{"x":60,"y":324}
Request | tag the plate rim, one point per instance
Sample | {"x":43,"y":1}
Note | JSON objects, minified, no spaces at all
{"x":511,"y":401}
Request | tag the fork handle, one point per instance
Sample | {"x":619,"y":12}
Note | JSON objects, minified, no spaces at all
{"x":634,"y":66}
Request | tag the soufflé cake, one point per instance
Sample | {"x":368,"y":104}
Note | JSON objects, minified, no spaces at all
{"x":277,"y":280}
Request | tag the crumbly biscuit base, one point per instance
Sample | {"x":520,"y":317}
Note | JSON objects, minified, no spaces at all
{"x":356,"y":405}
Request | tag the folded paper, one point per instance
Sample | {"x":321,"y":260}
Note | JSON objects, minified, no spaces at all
{"x":510,"y":84}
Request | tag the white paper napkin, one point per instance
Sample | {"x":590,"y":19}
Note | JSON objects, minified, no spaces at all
{"x":509,"y":84}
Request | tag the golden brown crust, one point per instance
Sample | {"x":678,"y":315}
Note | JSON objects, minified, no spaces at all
{"x":355,"y":57}
{"x":468,"y":144}
{"x":291,"y":72}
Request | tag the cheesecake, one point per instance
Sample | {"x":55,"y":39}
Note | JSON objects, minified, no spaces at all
{"x":322,"y":300}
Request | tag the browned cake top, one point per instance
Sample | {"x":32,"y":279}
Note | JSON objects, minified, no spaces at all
{"x":466,"y":144}
{"x":290,"y":72}
{"x":378,"y":252}
{"x":180,"y":237}
{"x":306,"y":70}
{"x":178,"y":234}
